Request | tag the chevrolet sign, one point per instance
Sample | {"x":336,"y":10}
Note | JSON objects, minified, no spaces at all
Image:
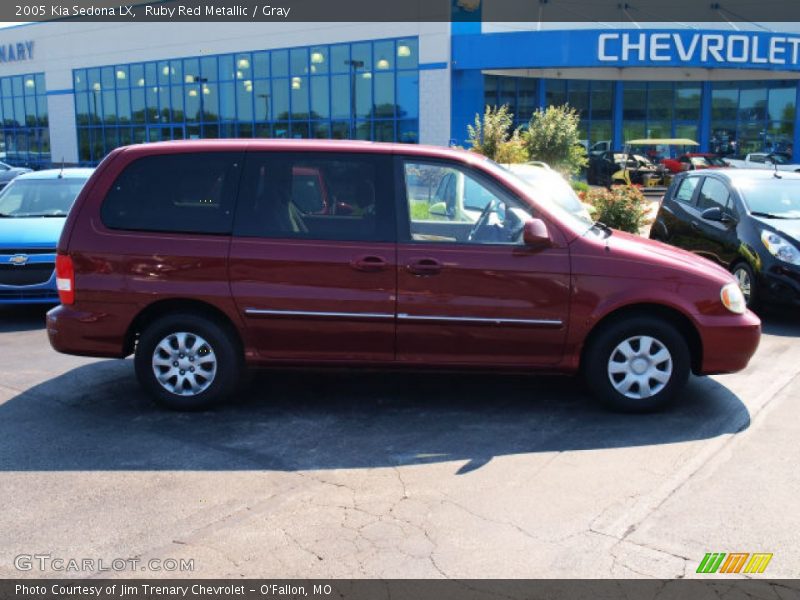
{"x":19,"y":259}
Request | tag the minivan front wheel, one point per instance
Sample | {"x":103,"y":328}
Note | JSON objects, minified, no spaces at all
{"x":637,"y":364}
{"x":187,"y":362}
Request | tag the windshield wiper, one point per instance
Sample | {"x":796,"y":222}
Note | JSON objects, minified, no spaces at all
{"x":768,"y":215}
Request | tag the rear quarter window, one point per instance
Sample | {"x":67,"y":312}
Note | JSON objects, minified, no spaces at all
{"x":187,"y":193}
{"x":686,"y":189}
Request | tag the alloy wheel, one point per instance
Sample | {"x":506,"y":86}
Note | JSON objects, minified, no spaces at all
{"x":184,"y":363}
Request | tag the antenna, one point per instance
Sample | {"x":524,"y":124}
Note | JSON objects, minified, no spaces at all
{"x":775,"y":171}
{"x":61,"y":172}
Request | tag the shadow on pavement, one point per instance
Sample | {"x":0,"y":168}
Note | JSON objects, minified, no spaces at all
{"x":96,"y":418}
{"x":26,"y":317}
{"x":779,"y":320}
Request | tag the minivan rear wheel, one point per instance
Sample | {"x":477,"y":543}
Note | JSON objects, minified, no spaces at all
{"x":637,"y":364}
{"x":187,"y":362}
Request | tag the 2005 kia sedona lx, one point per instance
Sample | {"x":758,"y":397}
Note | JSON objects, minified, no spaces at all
{"x":203,"y":257}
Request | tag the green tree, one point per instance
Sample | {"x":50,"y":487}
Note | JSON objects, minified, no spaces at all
{"x":493,"y":136}
{"x":553,"y":137}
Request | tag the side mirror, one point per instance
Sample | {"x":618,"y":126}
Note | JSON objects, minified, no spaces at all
{"x":439,"y":209}
{"x":715,"y":213}
{"x":535,"y":234}
{"x":344,"y":209}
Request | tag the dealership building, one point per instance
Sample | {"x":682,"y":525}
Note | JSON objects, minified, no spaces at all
{"x":72,"y":91}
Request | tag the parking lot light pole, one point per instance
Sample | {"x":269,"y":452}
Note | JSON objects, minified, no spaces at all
{"x":201,"y":81}
{"x":354,"y":66}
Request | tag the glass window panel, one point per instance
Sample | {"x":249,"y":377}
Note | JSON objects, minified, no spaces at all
{"x":408,"y":131}
{"x":407,"y":54}
{"x":93,"y":79}
{"x":211,"y":101}
{"x":280,"y":99}
{"x":245,"y":129}
{"x":151,"y":99}
{"x":340,"y":96}
{"x":602,"y":100}
{"x":321,"y":130}
{"x":262,"y":100}
{"x":555,"y":92}
{"x":150,"y":74}
{"x":5,"y":85}
{"x":176,"y":72}
{"x":163,"y":72}
{"x":659,"y":129}
{"x":281,"y":129}
{"x":320,"y":61}
{"x":578,"y":97}
{"x":384,"y":55}
{"x":79,"y":76}
{"x":361,"y":54}
{"x":660,"y":100}
{"x":40,"y":87}
{"x":508,"y":92}
{"x":208,"y":67}
{"x":340,"y":130}
{"x":299,"y":130}
{"x":600,"y":131}
{"x":724,"y":101}
{"x":723,"y":138}
{"x":124,"y":106}
{"x":363,"y":98}
{"x":125,"y":137}
{"x":490,"y":90}
{"x":30,"y":110}
{"x":81,"y":109}
{"x":384,"y":96}
{"x":780,"y":136}
{"x":299,"y":86}
{"x":363,"y":130}
{"x":634,"y":101}
{"x":177,"y":103}
{"x":244,"y":66}
{"x":298,"y":58}
{"x":750,"y":137}
{"x":527,"y":99}
{"x":320,"y":98}
{"x":384,"y":131}
{"x":226,"y":69}
{"x":192,"y":102}
{"x":122,"y":76}
{"x":211,"y":131}
{"x":109,"y":107}
{"x":19,"y":110}
{"x":340,"y":57}
{"x":137,"y":75}
{"x":244,"y":101}
{"x":686,"y":131}
{"x":753,"y":102}
{"x":632,"y":130}
{"x":111,"y":139}
{"x":687,"y":102}
{"x":263,"y":130}
{"x":191,"y":69}
{"x":280,"y":63}
{"x":164,"y":104}
{"x":107,"y":78}
{"x":408,"y":94}
{"x":781,"y":105}
{"x":41,"y":109}
{"x":137,"y":105}
{"x":261,"y":64}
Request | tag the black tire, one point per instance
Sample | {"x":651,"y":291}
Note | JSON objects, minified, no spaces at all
{"x":604,"y":347}
{"x":744,"y":273}
{"x":221,"y":349}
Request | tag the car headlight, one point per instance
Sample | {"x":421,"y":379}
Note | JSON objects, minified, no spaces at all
{"x":780,"y":248}
{"x":732,"y":298}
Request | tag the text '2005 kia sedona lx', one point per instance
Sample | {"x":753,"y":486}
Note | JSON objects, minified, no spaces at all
{"x":204,"y":257}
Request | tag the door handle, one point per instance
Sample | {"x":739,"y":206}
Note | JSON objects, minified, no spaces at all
{"x":424,"y":266}
{"x":369,"y":263}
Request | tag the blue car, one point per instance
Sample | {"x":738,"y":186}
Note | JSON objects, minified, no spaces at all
{"x":33,"y":209}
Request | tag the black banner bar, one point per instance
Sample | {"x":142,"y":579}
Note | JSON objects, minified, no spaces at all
{"x":709,"y":588}
{"x":603,"y":12}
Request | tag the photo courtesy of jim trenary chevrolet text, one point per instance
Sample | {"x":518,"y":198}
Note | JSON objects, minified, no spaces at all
{"x":419,"y":299}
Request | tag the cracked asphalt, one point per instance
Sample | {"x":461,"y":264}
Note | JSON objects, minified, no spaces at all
{"x":320,"y":475}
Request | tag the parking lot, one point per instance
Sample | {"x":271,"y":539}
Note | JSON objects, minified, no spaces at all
{"x":395,"y":475}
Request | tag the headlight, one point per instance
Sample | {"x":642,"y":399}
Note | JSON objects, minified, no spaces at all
{"x":732,"y":298}
{"x":780,"y":248}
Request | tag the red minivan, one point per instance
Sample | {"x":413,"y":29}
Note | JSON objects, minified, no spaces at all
{"x":196,"y":257}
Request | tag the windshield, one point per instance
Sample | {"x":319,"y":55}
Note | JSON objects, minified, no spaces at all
{"x":778,"y":159}
{"x":39,"y":197}
{"x":779,"y":197}
{"x":551,"y":191}
{"x":716,"y":161}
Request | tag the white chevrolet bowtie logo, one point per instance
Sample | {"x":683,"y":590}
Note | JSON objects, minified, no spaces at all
{"x":19,"y":259}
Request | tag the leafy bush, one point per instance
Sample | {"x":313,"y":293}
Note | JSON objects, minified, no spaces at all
{"x":493,"y":136}
{"x":579,"y":186}
{"x":622,"y":207}
{"x":552,"y":136}
{"x":420,"y":210}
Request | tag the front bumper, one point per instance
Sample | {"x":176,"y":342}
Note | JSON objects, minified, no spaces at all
{"x":780,"y":284}
{"x":32,"y":282}
{"x":729,"y":342}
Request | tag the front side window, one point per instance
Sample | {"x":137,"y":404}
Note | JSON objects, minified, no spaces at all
{"x":189,"y":193}
{"x":447,"y":203}
{"x":713,"y":194}
{"x":322,"y":196}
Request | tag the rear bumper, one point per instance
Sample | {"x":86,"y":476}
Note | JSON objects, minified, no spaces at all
{"x":729,"y":342}
{"x":86,"y":332}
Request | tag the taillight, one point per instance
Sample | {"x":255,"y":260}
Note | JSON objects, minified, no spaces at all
{"x":65,"y":279}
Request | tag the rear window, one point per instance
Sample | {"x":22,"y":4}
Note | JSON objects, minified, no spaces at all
{"x":186,"y":193}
